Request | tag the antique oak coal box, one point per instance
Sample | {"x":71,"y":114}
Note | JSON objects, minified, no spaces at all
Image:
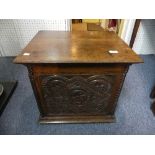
{"x":77,"y":76}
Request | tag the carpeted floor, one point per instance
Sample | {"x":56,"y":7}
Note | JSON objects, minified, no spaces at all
{"x":133,"y":114}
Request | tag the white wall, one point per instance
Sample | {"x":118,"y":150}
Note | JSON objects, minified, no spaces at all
{"x":15,"y":34}
{"x":145,"y":39}
{"x":127,"y":30}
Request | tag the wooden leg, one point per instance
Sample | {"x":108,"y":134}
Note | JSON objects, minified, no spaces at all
{"x":152,"y":96}
{"x":153,"y":108}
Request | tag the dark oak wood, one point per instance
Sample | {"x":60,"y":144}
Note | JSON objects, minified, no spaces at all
{"x":77,"y":47}
{"x":73,"y":76}
{"x":134,"y":33}
{"x":153,"y":108}
{"x":152,"y":96}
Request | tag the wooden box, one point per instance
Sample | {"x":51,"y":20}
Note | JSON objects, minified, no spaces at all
{"x":74,"y":76}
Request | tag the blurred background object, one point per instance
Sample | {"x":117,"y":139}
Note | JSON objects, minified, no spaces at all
{"x":97,"y":25}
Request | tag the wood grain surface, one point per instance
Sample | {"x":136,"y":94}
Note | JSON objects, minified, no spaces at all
{"x":77,"y":47}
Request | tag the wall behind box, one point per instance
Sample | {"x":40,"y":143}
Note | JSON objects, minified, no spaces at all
{"x":145,"y":39}
{"x":15,"y":34}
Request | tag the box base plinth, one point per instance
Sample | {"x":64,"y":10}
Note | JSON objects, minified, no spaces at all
{"x":77,"y":119}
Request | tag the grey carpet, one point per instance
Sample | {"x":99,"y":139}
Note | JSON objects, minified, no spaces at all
{"x":133,"y":114}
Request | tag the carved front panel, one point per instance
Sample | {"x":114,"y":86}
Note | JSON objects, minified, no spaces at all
{"x":77,"y":94}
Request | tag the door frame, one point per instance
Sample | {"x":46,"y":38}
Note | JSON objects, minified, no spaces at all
{"x":129,"y":30}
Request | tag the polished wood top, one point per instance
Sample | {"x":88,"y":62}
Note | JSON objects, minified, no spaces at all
{"x":76,"y":47}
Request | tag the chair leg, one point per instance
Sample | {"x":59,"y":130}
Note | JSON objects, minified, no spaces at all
{"x":153,"y":107}
{"x":152,"y":95}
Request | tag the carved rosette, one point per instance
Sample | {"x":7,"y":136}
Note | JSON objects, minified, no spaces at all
{"x":76,"y":94}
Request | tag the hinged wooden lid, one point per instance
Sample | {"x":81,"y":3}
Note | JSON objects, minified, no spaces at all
{"x":77,"y":47}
